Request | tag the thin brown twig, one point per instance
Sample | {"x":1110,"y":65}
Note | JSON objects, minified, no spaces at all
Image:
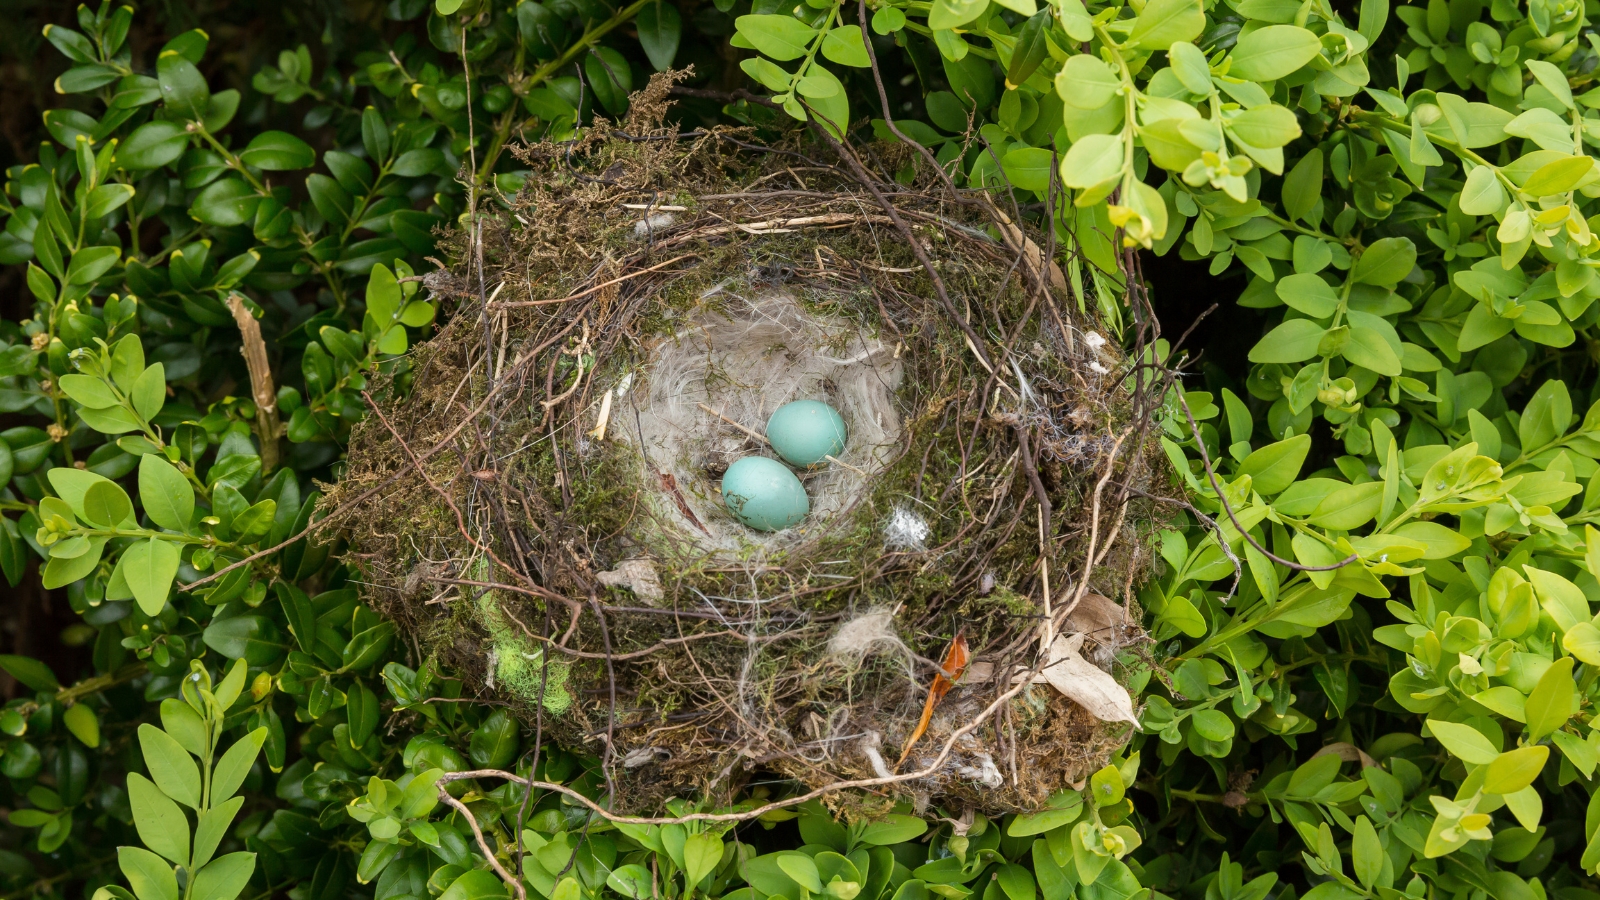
{"x":494,"y":862}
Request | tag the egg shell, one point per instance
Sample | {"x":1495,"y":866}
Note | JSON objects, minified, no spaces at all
{"x":764,"y":495}
{"x":805,"y":432}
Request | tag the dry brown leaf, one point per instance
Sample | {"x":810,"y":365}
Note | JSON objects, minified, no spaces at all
{"x":1348,"y":752}
{"x":1086,"y":684}
{"x":637,"y":575}
{"x":953,"y":664}
{"x":1096,"y":616}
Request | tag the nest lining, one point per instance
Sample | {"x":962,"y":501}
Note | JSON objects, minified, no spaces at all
{"x":718,"y":666}
{"x":747,"y":351}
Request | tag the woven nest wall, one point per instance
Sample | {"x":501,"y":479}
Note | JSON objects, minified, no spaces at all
{"x":550,"y":528}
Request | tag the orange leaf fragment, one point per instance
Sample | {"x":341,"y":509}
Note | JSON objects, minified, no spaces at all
{"x":951,"y":668}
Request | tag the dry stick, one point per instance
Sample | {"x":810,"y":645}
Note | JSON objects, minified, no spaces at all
{"x":461,"y":523}
{"x":889,"y":209}
{"x":587,"y":291}
{"x":1090,"y":560}
{"x":264,"y":394}
{"x":747,"y":815}
{"x":348,"y":505}
{"x":515,"y":883}
{"x":1212,"y":475}
{"x":763,"y":438}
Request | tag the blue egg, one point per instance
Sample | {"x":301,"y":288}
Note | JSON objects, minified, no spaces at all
{"x":805,"y":432}
{"x":763,"y":494}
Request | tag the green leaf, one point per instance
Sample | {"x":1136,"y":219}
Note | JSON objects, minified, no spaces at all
{"x":1583,"y":641}
{"x":1302,"y":187}
{"x":149,"y":567}
{"x":1553,"y":700}
{"x":1093,"y":160}
{"x":1464,"y":742}
{"x":781,"y":37}
{"x":1554,"y":81}
{"x":183,"y":88}
{"x":1442,"y":542}
{"x":476,"y":884}
{"x":1085,"y":82}
{"x":160,"y":822}
{"x":845,"y":46}
{"x":106,"y":504}
{"x":1293,"y":341}
{"x":278,"y":151}
{"x":1028,"y":168}
{"x":235,"y":765}
{"x":1366,"y":852}
{"x":167,"y":496}
{"x":90,"y":263}
{"x":30,"y":672}
{"x":893,"y":829}
{"x":1308,"y":294}
{"x":1515,"y":769}
{"x":226,"y":202}
{"x":1563,"y":600}
{"x":1276,"y":466}
{"x":946,"y":14}
{"x":1385,"y":262}
{"x":1482,"y":195}
{"x":83,"y":723}
{"x":224,"y":877}
{"x":1164,"y":22}
{"x":660,"y":27}
{"x":1270,"y":53}
{"x":1558,"y":176}
{"x":149,"y":391}
{"x":88,"y":391}
{"x":701,"y":854}
{"x":171,"y":766}
{"x":150,"y":877}
{"x":60,"y":572}
{"x":632,"y":881}
{"x":153,"y":145}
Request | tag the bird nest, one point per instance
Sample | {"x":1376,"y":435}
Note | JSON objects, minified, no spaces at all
{"x":540,"y":508}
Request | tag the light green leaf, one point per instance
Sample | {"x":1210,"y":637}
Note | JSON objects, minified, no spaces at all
{"x":1293,"y":341}
{"x":1562,"y":599}
{"x":1514,"y":770}
{"x":1163,"y":22}
{"x":235,"y":765}
{"x":171,"y":766}
{"x":1553,"y":700}
{"x":1276,"y":466}
{"x":224,"y":877}
{"x":1482,"y":195}
{"x":1385,"y":262}
{"x":701,"y":854}
{"x":1270,"y":53}
{"x":151,"y":877}
{"x":161,"y":824}
{"x":1464,"y":742}
{"x":780,"y":37}
{"x":167,"y":496}
{"x":149,"y":567}
{"x":1093,"y":160}
{"x":212,"y":827}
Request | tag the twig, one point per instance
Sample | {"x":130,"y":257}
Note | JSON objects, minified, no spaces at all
{"x":944,"y":755}
{"x":261,"y":389}
{"x":1228,"y":508}
{"x":458,"y":806}
{"x":587,"y":291}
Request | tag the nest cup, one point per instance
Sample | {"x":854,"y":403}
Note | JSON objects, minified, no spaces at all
{"x":563,"y":544}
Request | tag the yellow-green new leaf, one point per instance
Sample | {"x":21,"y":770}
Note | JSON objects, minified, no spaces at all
{"x":1514,"y":770}
{"x":1464,"y":742}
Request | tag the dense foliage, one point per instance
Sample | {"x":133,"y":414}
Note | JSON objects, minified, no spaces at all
{"x":1377,"y":658}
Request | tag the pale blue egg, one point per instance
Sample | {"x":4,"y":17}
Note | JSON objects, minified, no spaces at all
{"x":763,"y":494}
{"x":805,"y":432}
